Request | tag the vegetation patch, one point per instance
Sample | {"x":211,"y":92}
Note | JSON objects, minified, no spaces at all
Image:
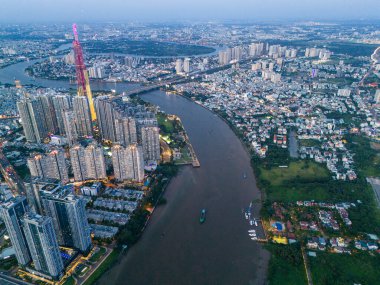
{"x":286,"y":265}
{"x":367,"y":159}
{"x":106,"y":265}
{"x":301,"y":180}
{"x":342,"y":269}
{"x":97,"y":255}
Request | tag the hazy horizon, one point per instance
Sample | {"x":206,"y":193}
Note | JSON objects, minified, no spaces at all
{"x":29,"y":11}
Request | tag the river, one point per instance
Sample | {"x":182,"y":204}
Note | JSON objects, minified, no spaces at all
{"x":9,"y":74}
{"x":218,"y":251}
{"x":176,"y":248}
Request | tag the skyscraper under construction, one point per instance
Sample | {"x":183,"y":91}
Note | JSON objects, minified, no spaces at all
{"x":81,"y":73}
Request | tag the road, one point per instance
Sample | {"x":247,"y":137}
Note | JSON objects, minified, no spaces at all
{"x":375,"y":183}
{"x":8,"y":280}
{"x":11,"y":176}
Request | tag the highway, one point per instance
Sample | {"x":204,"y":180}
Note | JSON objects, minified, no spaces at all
{"x":10,"y":175}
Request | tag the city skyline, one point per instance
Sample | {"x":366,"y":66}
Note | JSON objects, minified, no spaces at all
{"x":22,"y":11}
{"x":243,"y":147}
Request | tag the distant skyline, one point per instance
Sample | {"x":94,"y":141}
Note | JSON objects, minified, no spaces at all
{"x":24,"y":11}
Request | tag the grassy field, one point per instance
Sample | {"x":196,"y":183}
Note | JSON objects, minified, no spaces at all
{"x":300,"y":181}
{"x":165,"y":124}
{"x":339,"y":269}
{"x":108,"y":263}
{"x":97,"y":255}
{"x":69,"y":281}
{"x":309,"y":143}
{"x":285,"y":266}
{"x":367,"y":159}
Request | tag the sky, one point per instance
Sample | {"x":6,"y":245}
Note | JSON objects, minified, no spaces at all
{"x":13,"y":11}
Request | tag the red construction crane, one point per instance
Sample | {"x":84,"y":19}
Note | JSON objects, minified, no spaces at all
{"x":81,"y":72}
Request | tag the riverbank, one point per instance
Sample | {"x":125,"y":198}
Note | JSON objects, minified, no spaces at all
{"x":284,"y":179}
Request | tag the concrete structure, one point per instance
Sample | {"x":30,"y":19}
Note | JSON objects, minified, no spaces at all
{"x":69,"y":218}
{"x":61,"y":104}
{"x":70,"y":125}
{"x":126,"y":132}
{"x":128,"y":162}
{"x":186,"y":65}
{"x":106,"y":118}
{"x":43,"y":246}
{"x":88,"y":163}
{"x":150,"y":138}
{"x":35,"y":187}
{"x":49,"y":165}
{"x":82,"y":116}
{"x":178,"y":66}
{"x":12,"y":213}
{"x":33,"y":120}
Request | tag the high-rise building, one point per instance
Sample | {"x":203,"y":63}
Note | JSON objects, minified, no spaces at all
{"x":88,"y":163}
{"x":49,"y":165}
{"x":377,"y":96}
{"x":49,"y":114}
{"x":126,"y":132}
{"x":12,"y":212}
{"x":35,"y":187}
{"x":236,"y":53}
{"x":82,"y":116}
{"x":69,"y":58}
{"x":95,"y":162}
{"x":69,"y":218}
{"x":5,"y":192}
{"x":178,"y":66}
{"x":274,"y":50}
{"x":33,"y":119}
{"x":186,"y":65}
{"x":225,"y":57}
{"x":128,"y":162}
{"x":78,"y":163}
{"x":61,"y":104}
{"x":96,"y":72}
{"x":150,"y":137}
{"x":105,"y":114}
{"x":70,"y":124}
{"x":43,"y":246}
{"x":256,"y":49}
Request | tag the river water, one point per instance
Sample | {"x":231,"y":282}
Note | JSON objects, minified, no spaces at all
{"x":17,"y":72}
{"x":176,"y":248}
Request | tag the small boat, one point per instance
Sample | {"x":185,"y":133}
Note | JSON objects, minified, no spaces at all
{"x":202,"y":218}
